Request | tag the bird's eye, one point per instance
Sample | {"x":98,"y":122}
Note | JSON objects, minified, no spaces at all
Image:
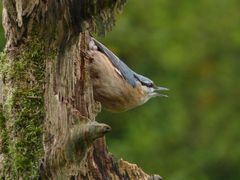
{"x":150,"y":85}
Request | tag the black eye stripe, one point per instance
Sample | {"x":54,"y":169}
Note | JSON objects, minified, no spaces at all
{"x":147,"y":84}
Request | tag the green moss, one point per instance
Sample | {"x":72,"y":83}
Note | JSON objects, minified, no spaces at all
{"x":3,"y":133}
{"x":3,"y":64}
{"x":24,"y":77}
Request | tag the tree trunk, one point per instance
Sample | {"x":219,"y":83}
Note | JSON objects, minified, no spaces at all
{"x":47,"y":112}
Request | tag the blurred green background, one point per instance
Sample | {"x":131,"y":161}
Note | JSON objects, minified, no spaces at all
{"x":193,"y":48}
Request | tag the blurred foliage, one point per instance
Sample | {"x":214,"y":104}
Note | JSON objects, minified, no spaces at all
{"x":193,"y":48}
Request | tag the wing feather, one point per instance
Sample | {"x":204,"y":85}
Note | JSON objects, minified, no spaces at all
{"x":126,"y":72}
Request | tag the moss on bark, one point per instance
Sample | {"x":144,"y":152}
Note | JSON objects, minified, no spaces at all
{"x":22,"y":115}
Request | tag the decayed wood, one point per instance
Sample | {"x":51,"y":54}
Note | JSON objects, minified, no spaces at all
{"x":70,"y":125}
{"x":73,"y":142}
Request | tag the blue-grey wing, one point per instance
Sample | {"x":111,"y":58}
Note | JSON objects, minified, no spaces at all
{"x":126,"y":72}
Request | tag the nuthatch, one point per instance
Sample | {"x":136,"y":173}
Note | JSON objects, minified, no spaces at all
{"x":115,"y":85}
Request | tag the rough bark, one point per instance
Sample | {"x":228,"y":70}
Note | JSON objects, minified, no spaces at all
{"x":47,"y":114}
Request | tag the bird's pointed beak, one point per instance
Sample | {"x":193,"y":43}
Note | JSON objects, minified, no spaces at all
{"x":158,"y":89}
{"x":161,"y":89}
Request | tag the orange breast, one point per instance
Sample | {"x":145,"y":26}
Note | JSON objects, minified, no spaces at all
{"x":110,"y":88}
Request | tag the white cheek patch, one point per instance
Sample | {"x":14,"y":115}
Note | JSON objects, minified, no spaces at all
{"x":152,"y":89}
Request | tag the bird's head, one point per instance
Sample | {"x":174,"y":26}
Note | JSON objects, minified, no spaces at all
{"x":149,"y":88}
{"x":153,"y":91}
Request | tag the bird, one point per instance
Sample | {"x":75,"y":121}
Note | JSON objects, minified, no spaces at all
{"x":117,"y":87}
